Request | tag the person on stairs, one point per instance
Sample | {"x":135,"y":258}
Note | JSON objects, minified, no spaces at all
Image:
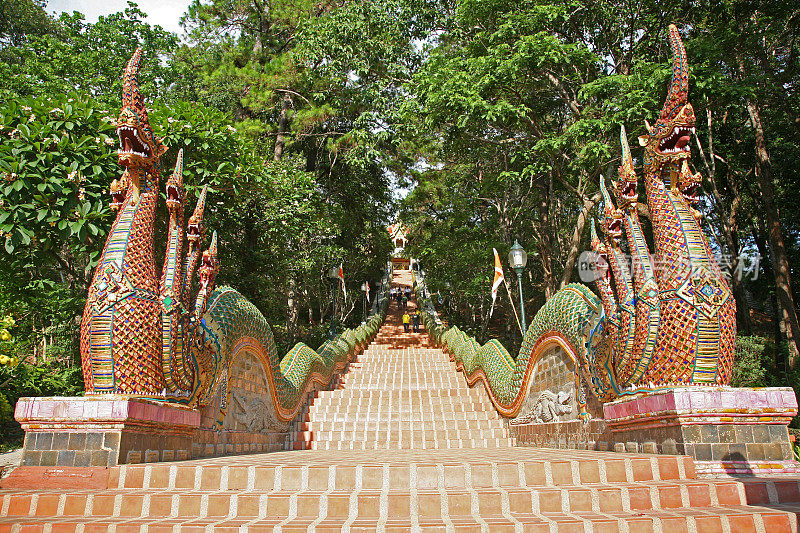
{"x":406,"y":320}
{"x":415,"y":320}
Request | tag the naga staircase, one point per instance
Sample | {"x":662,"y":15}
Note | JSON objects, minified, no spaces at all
{"x":401,"y":444}
{"x":401,"y":393}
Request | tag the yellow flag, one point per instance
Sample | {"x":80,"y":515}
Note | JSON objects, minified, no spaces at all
{"x":499,"y":277}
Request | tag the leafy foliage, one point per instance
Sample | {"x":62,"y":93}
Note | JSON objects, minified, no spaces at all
{"x":749,"y":368}
{"x":7,"y":356}
{"x":79,"y":56}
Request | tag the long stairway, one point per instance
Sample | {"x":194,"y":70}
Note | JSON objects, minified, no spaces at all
{"x":401,"y":394}
{"x":401,"y":445}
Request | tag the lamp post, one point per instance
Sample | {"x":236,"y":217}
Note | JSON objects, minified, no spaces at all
{"x":364,"y":314}
{"x":448,"y":286}
{"x":518,"y":258}
{"x":333,"y":276}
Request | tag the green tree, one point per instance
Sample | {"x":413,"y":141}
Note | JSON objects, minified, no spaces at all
{"x":20,"y":19}
{"x":73,"y":55}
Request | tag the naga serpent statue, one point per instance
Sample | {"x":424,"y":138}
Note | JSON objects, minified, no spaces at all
{"x":149,"y":337}
{"x":666,"y":320}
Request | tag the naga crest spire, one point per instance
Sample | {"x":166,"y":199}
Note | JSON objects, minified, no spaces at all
{"x":625,"y":186}
{"x":195,"y":229}
{"x":139,"y":149}
{"x":131,"y":96}
{"x":175,"y":191}
{"x":612,"y":217}
{"x":668,"y":140}
{"x":678,"y":94}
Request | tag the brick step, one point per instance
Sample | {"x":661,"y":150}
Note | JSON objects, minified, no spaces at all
{"x":475,"y":393}
{"x":353,"y":417}
{"x":425,"y":407}
{"x":399,"y":386}
{"x":378,"y":375}
{"x":395,"y":436}
{"x":392,"y":364}
{"x":734,"y":519}
{"x":378,"y":350}
{"x":426,"y":507}
{"x":598,"y":498}
{"x":404,"y":358}
{"x":398,"y":358}
{"x":428,"y":443}
{"x":383,"y":343}
{"x":440,"y":411}
{"x":665,"y":494}
{"x":421,"y":362}
{"x":451,"y":468}
{"x":402,"y":403}
{"x":403,"y":384}
{"x":364,"y":404}
{"x":517,"y":467}
{"x":383,"y":425}
{"x":511,"y":468}
{"x":602,"y":498}
{"x":364,"y":412}
{"x":410,"y":370}
{"x":379,"y":370}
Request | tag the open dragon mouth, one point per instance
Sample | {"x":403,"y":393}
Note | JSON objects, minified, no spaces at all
{"x":207,"y":264}
{"x":677,"y":141}
{"x":174,"y":196}
{"x":628,"y":190}
{"x":193,"y":232}
{"x":131,"y":143}
{"x":118,"y":198}
{"x":690,"y":192}
{"x":615,"y":227}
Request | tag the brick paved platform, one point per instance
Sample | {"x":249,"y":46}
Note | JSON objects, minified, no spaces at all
{"x":401,"y":445}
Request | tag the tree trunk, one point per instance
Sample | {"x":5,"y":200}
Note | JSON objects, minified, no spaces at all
{"x":546,"y":247}
{"x":283,"y":127}
{"x":729,"y":209}
{"x":780,"y":263}
{"x":575,"y":242}
{"x":293,"y":308}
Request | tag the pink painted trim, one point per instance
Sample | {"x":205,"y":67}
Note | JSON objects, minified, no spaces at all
{"x":102,"y":410}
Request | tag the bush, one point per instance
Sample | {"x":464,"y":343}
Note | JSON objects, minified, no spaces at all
{"x":6,"y":412}
{"x":749,"y":364}
{"x":50,"y":378}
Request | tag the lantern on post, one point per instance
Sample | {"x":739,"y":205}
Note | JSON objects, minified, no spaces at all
{"x":518,"y":259}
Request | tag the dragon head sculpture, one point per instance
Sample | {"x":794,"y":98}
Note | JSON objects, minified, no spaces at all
{"x":625,"y":186}
{"x":174,"y":189}
{"x":195,"y":230}
{"x":601,"y":249}
{"x":689,"y":183}
{"x":209,"y":266}
{"x":667,"y":142}
{"x":139,"y":149}
{"x":612,"y":216}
